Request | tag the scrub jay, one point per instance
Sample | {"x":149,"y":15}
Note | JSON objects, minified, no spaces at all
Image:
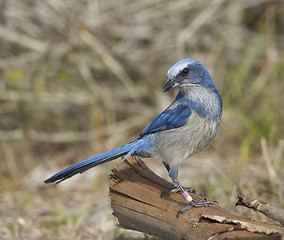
{"x":186,"y":127}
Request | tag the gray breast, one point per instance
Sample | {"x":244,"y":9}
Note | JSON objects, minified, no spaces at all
{"x":174,"y":146}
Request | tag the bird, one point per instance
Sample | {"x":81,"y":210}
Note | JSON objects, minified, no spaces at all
{"x":186,"y":127}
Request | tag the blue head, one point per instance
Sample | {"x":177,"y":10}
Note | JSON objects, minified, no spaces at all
{"x":188,"y":73}
{"x":197,"y":88}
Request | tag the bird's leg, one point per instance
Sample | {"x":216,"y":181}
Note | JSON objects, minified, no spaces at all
{"x":177,"y":188}
{"x":191,"y":203}
{"x":188,"y":198}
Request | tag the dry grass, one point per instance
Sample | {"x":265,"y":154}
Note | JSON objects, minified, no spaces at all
{"x":78,"y":78}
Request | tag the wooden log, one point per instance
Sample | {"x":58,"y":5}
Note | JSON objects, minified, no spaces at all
{"x":135,"y":199}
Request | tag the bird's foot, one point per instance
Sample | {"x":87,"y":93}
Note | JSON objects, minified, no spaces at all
{"x":175,"y":190}
{"x":200,"y":203}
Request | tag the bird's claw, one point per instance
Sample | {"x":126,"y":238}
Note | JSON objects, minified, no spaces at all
{"x":201,"y":203}
{"x":175,"y":190}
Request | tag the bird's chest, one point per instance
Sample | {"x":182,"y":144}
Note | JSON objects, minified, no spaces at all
{"x":199,"y":133}
{"x":182,"y":142}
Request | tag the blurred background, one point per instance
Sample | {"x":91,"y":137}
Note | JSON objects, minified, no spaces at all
{"x":78,"y":78}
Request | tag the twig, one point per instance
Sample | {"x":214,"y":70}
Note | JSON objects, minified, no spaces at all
{"x":108,"y":60}
{"x":47,"y":137}
{"x":22,"y":40}
{"x":11,"y":161}
{"x":201,"y":19}
{"x":265,"y":208}
{"x":78,"y":97}
{"x":70,"y":136}
{"x":272,"y":174}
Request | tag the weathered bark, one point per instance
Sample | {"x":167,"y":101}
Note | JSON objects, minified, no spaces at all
{"x":135,"y":199}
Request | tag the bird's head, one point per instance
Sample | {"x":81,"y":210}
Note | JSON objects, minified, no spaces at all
{"x":188,"y":73}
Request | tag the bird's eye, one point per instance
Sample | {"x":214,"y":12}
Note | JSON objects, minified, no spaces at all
{"x":185,"y":71}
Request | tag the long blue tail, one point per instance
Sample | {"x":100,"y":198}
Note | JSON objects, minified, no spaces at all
{"x":89,"y":163}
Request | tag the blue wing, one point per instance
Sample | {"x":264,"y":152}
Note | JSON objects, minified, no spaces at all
{"x":168,"y":119}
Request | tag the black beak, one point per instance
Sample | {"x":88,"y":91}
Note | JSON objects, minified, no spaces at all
{"x":169,"y":85}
